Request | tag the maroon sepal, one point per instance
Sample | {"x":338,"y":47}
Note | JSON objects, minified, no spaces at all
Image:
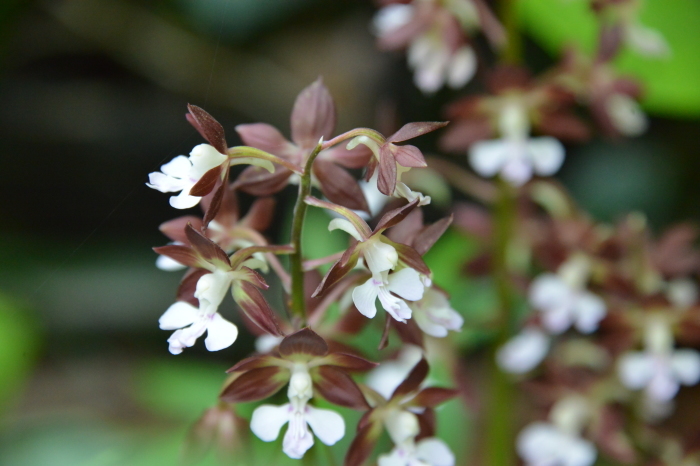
{"x":395,"y":216}
{"x":384,"y":340}
{"x":338,"y":270}
{"x":253,"y":362}
{"x":304,"y":342}
{"x":412,"y":130}
{"x":432,"y":396}
{"x":409,"y":332}
{"x":182,"y":254}
{"x":252,"y":302}
{"x":409,"y":156}
{"x":208,"y":127}
{"x":426,"y":424}
{"x":259,"y":182}
{"x":215,"y":201}
{"x":206,"y":183}
{"x":188,"y":285}
{"x":260,"y":214}
{"x":256,"y":384}
{"x":175,"y":228}
{"x":337,"y":387}
{"x":430,"y":234}
{"x":206,"y":248}
{"x":349,"y":362}
{"x":409,"y":256}
{"x":386,"y":181}
{"x":339,"y":186}
{"x":462,"y":134}
{"x":413,"y":380}
{"x":313,"y":115}
{"x":363,"y":443}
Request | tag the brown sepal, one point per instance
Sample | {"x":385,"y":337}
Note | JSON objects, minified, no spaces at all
{"x":253,"y":362}
{"x":462,"y":134}
{"x":188,"y":285}
{"x":409,"y":332}
{"x":259,"y":182}
{"x":413,"y":380}
{"x":386,"y":181}
{"x":337,"y":387}
{"x":395,"y":216}
{"x":175,"y":228}
{"x":206,"y":248}
{"x":252,"y":302}
{"x":339,"y":186}
{"x":432,"y":396}
{"x":410,"y":257}
{"x":256,"y":384}
{"x":265,"y":137}
{"x":304,"y":341}
{"x":206,"y":183}
{"x":426,"y":424}
{"x":363,"y":444}
{"x":349,"y":362}
{"x":409,"y":156}
{"x":415,"y":129}
{"x":430,"y":234}
{"x":182,"y":254}
{"x":260,"y":214}
{"x":208,"y":127}
{"x":313,"y":115}
{"x":384,"y":340}
{"x":214,"y":204}
{"x":338,"y":270}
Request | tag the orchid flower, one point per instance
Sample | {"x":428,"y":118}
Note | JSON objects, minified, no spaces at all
{"x":523,"y":352}
{"x":190,"y":323}
{"x":426,"y":452}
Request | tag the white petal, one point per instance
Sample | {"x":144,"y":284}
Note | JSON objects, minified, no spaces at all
{"x":297,"y":439}
{"x":168,"y":264}
{"x":635,"y":369}
{"x":392,"y":17}
{"x":175,"y":345}
{"x":646,"y":41}
{"x":266,"y":343}
{"x":267,"y":421}
{"x":179,"y":167}
{"x":547,"y":155}
{"x":396,"y":307}
{"x":537,"y":444}
{"x":165,"y":183}
{"x":211,"y":289}
{"x":430,"y":72}
{"x":380,"y":256}
{"x":523,"y":352}
{"x":407,"y":284}
{"x":578,"y":452}
{"x":364,"y":297}
{"x":204,"y":157}
{"x":549,"y":291}
{"x":178,"y":315}
{"x":435,"y":452}
{"x":626,"y":115}
{"x":401,"y":425}
{"x":346,"y":226}
{"x":220,"y":333}
{"x":327,"y":425}
{"x":462,"y":67}
{"x":488,"y":157}
{"x":517,"y":169}
{"x":662,"y":386}
{"x":397,"y":457}
{"x":685,"y":365}
{"x":589,"y":310}
{"x":184,"y":200}
{"x":428,"y":326}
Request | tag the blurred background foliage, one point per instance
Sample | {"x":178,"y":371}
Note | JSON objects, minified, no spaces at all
{"x":94,"y":95}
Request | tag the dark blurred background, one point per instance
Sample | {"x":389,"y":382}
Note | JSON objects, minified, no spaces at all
{"x":93,"y":96}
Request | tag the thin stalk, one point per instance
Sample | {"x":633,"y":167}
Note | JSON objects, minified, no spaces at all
{"x":499,"y":430}
{"x":295,"y":260}
{"x":512,"y":53}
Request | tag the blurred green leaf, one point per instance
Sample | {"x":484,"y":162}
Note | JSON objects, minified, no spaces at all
{"x":670,"y":83}
{"x":19,"y":344}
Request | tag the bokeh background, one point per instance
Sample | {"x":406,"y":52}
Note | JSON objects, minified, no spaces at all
{"x":93,"y":95}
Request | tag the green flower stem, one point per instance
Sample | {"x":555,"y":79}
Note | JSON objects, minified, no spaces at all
{"x":500,"y":442}
{"x":512,"y":53}
{"x":296,"y":260}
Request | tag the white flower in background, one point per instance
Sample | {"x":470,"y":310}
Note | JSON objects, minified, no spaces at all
{"x":392,"y":17}
{"x":564,"y":301}
{"x":436,"y":64}
{"x":427,"y":452}
{"x":516,"y":156}
{"x":682,"y":292}
{"x":646,"y":41}
{"x":626,"y":115}
{"x":660,"y":369}
{"x":434,"y":315}
{"x":544,"y":444}
{"x":266,"y":343}
{"x":190,"y":323}
{"x":327,"y":425}
{"x":406,"y":283}
{"x":389,"y":375}
{"x":182,"y":173}
{"x":523,"y":352}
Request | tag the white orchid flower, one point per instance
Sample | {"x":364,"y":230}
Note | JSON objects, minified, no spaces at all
{"x":182,"y":173}
{"x":523,"y":352}
{"x":544,"y":444}
{"x":427,"y":452}
{"x":516,"y":156}
{"x":434,"y":314}
{"x":405,"y":283}
{"x":190,"y":323}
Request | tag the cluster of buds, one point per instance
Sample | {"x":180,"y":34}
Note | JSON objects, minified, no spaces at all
{"x":225,"y":251}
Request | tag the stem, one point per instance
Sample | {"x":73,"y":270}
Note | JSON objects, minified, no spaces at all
{"x":513,"y":51}
{"x":499,"y":430}
{"x":295,"y":261}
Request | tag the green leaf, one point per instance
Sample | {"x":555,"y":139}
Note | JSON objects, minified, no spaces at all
{"x":670,"y":83}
